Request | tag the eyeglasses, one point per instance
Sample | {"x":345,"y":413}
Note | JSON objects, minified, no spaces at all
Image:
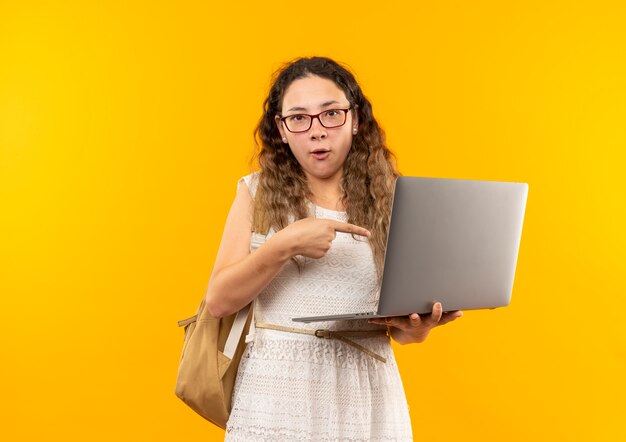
{"x":329,"y":118}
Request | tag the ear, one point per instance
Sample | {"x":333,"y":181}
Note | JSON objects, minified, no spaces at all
{"x":279,"y":125}
{"x":355,"y":119}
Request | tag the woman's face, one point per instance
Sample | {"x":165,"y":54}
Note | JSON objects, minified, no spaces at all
{"x":312,"y":95}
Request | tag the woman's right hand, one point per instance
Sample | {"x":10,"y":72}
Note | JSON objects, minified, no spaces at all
{"x":313,"y":237}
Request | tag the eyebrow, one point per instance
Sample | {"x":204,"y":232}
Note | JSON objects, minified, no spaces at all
{"x":324,"y":104}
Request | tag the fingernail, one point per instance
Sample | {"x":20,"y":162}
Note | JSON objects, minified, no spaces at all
{"x":414,"y":316}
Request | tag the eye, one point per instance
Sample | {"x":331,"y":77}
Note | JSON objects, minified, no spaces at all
{"x":332,"y":113}
{"x":295,"y":118}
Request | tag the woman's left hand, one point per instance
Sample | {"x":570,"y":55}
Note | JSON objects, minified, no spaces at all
{"x":413,"y":328}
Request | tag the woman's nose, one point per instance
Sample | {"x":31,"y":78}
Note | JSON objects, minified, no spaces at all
{"x":317,"y":130}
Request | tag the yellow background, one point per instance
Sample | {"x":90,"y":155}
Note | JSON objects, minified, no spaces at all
{"x":124,"y":127}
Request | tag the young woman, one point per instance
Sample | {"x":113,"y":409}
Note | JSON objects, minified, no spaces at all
{"x":305,"y":236}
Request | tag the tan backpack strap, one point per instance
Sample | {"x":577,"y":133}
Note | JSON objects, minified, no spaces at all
{"x":187,"y":321}
{"x":235,"y":332}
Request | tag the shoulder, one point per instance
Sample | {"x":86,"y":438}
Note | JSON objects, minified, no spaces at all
{"x":251,"y":181}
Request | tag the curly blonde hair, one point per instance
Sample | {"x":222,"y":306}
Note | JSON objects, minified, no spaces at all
{"x":370,"y":168}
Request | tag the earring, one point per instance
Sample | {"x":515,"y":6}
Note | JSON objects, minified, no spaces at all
{"x":354,"y":131}
{"x":284,"y":139}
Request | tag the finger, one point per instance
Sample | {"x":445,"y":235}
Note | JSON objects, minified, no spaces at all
{"x":392,"y":321}
{"x":450,"y":316}
{"x":349,"y":228}
{"x":435,"y":316}
{"x":415,"y":320}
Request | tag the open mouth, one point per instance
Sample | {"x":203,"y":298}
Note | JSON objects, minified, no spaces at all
{"x":320,"y":154}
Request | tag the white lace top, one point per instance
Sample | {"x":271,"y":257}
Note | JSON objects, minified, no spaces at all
{"x":294,"y":386}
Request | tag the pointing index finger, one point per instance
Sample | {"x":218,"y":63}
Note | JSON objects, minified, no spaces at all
{"x":349,"y":228}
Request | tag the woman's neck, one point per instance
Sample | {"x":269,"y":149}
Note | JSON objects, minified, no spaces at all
{"x":326,"y":192}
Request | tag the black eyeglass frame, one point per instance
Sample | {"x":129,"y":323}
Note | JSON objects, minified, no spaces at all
{"x":345,"y":118}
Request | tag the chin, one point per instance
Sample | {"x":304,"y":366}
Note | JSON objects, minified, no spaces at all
{"x":325,"y":174}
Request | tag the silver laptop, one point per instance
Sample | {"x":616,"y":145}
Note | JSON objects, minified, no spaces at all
{"x":450,"y":241}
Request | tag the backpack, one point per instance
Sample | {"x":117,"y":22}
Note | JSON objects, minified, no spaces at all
{"x":207,"y":370}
